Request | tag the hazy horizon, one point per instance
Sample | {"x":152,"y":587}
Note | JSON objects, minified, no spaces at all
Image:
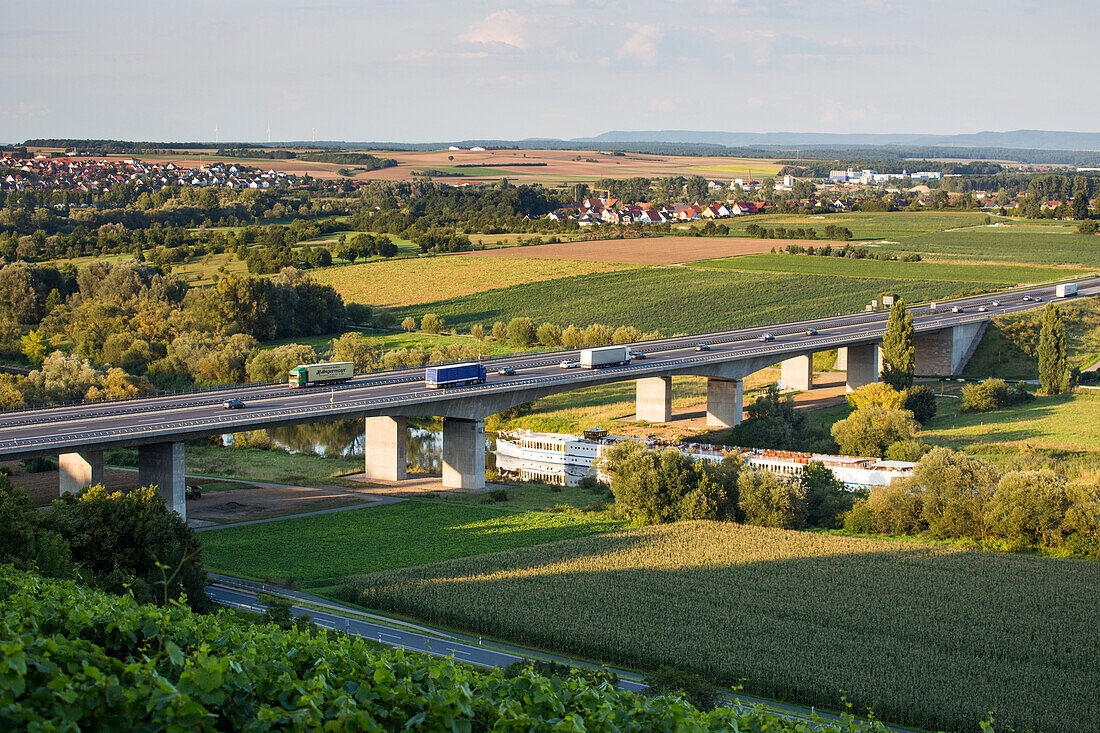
{"x":387,"y":71}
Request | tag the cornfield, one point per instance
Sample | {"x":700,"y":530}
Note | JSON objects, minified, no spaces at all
{"x":936,"y":637}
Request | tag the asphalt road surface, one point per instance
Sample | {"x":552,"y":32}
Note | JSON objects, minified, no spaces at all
{"x":187,"y":415}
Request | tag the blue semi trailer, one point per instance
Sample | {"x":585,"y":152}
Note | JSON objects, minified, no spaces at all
{"x":454,"y":375}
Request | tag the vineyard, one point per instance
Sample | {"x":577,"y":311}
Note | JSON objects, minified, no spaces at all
{"x":934,"y":637}
{"x":74,"y":659}
{"x":677,"y":299}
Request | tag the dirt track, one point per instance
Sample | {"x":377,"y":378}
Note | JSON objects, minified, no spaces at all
{"x":643,"y":251}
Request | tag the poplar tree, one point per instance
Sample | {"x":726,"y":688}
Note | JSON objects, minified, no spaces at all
{"x":898,"y":362}
{"x":1053,"y":375}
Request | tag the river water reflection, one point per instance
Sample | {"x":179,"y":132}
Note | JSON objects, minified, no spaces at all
{"x":424,"y":443}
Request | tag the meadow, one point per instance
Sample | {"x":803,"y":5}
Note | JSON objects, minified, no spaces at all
{"x":998,"y":274}
{"x":325,"y":549}
{"x":427,"y":279}
{"x":673,"y":300}
{"x":1063,"y":423}
{"x":898,"y":627}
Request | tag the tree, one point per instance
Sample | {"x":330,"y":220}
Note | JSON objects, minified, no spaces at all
{"x":870,"y":431}
{"x":1081,"y":205}
{"x":697,"y":188}
{"x":954,"y":490}
{"x":500,"y":331}
{"x":274,"y":365}
{"x":521,"y":331}
{"x":549,"y":334}
{"x":876,"y":394}
{"x":1033,"y":505}
{"x":408,"y":324}
{"x":478,"y":332}
{"x":431,"y":323}
{"x":767,"y":500}
{"x":353,"y":347}
{"x":35,"y":345}
{"x":1053,"y":375}
{"x":898,"y":364}
{"x":826,"y":496}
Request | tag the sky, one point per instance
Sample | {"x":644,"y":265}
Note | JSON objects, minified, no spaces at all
{"x":439,"y":70}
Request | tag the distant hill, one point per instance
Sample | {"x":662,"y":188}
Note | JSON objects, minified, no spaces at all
{"x":1016,"y":139}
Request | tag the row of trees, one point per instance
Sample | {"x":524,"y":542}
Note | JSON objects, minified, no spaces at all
{"x":656,"y":486}
{"x":952,"y":495}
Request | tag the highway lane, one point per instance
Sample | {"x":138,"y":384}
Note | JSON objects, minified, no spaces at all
{"x":190,"y":412}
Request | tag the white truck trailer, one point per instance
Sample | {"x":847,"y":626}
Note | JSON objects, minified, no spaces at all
{"x":605,"y":356}
{"x":1065,"y":290}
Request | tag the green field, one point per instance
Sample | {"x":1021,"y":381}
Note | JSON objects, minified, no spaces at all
{"x":934,"y":637}
{"x":675,"y":300}
{"x":323,"y":549}
{"x":275,"y":466}
{"x":998,"y":275}
{"x":1062,"y":423}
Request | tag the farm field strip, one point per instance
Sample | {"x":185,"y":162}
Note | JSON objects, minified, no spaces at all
{"x":900,"y":627}
{"x":1001,"y":274}
{"x":405,"y":282}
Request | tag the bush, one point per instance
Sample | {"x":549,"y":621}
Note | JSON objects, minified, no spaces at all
{"x":992,"y":394}
{"x":870,"y":431}
{"x":696,"y":690}
{"x":431,"y":323}
{"x":907,"y":450}
{"x":920,"y":399}
{"x":38,"y":464}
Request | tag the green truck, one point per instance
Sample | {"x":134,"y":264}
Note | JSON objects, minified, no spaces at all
{"x":312,"y":375}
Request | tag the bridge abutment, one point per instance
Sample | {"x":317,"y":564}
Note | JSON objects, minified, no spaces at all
{"x":863,"y":364}
{"x":797,"y":373}
{"x":945,"y":352}
{"x":463,"y":453}
{"x":79,"y":470}
{"x":653,"y":402}
{"x":725,"y":402}
{"x":161,"y":465}
{"x":384,"y":448}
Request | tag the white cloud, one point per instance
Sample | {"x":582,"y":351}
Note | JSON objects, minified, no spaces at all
{"x":503,"y":26}
{"x":642,"y":46}
{"x":754,"y":102}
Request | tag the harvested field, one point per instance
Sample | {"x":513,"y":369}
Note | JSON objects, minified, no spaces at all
{"x":428,"y":279}
{"x":641,"y":251}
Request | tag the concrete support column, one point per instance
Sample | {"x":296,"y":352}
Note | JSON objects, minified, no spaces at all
{"x":798,"y":373}
{"x":80,"y":470}
{"x":863,"y":365}
{"x":161,"y":465}
{"x":384,"y":446}
{"x":725,"y":402}
{"x":654,"y":399}
{"x":463,"y":453}
{"x":841,"y":359}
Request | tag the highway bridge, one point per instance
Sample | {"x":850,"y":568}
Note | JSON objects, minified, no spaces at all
{"x":158,"y":426}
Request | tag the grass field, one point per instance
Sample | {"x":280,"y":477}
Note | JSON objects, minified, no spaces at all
{"x":940,"y":271}
{"x":929,"y":636}
{"x":275,"y":466}
{"x":674,"y":300}
{"x":324,"y":549}
{"x":427,"y":279}
{"x":1064,"y":423}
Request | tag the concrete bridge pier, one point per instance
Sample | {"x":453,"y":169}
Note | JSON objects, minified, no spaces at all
{"x":654,"y":399}
{"x":725,"y":402}
{"x":863,"y":364}
{"x":945,"y":352}
{"x":161,"y":465}
{"x":463,"y":453}
{"x":80,"y":470}
{"x":384,"y":448}
{"x":797,"y":373}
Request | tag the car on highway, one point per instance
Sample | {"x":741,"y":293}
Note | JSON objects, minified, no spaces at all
{"x":1027,"y":297}
{"x":996,"y":304}
{"x":569,"y":364}
{"x":811,"y":331}
{"x":982,"y":309}
{"x":1037,"y":299}
{"x":506,"y":371}
{"x":637,"y":355}
{"x":233,"y":404}
{"x":702,"y":347}
{"x":765,"y":338}
{"x":957,"y":309}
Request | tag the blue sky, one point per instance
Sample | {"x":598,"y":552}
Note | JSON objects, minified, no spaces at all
{"x":435,"y":71}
